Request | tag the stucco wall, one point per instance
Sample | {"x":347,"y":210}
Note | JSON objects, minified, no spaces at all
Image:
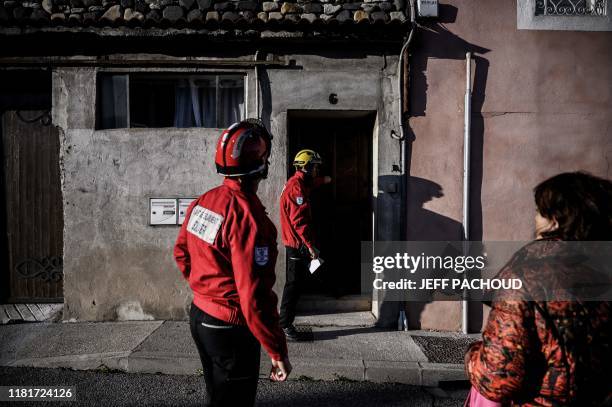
{"x":116,"y":266}
{"x":541,"y":105}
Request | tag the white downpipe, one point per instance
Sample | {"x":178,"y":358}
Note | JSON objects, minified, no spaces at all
{"x":400,"y":80}
{"x":403,"y":319}
{"x":256,"y":58}
{"x":466,"y":177}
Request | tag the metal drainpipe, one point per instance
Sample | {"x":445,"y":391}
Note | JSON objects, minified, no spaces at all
{"x":400,"y":105}
{"x":466,"y":178}
{"x":400,"y":66}
{"x":402,"y":139}
{"x":256,"y":58}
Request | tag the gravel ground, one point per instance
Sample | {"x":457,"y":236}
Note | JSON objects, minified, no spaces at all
{"x":444,"y":350}
{"x":95,"y":388}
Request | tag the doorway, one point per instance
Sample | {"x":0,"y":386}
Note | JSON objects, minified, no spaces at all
{"x":342,"y":210}
{"x":32,"y":217}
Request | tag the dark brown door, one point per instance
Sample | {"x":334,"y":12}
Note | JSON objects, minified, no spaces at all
{"x":33,"y":202}
{"x":342,"y":210}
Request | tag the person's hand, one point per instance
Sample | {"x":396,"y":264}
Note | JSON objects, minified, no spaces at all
{"x":280,"y":370}
{"x":327,"y":179}
{"x":314,"y":253}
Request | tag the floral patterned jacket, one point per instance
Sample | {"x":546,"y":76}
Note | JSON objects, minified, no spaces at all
{"x":544,"y":353}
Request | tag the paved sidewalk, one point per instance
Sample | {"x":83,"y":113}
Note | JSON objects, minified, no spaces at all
{"x":337,"y":352}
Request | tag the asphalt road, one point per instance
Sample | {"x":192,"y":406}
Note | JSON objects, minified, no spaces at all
{"x":97,"y":388}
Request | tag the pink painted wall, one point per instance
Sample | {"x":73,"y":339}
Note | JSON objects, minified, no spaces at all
{"x":542,"y":105}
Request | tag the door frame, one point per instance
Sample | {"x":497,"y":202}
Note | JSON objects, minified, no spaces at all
{"x":292,"y":115}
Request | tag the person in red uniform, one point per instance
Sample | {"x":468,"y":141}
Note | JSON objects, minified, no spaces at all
{"x":297,"y":233}
{"x":226,"y":249}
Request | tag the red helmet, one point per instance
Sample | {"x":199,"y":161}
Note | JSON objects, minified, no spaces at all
{"x":243,"y":149}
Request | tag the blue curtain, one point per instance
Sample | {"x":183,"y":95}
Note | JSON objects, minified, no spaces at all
{"x":113,"y":102}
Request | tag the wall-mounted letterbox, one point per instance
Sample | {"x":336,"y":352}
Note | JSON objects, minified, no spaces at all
{"x":163,"y":211}
{"x":183,"y":205}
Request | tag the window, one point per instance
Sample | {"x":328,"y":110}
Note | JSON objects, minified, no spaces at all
{"x":567,"y":15}
{"x":169,"y":100}
{"x":571,"y":7}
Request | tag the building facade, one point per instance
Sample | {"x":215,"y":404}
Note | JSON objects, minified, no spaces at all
{"x":135,"y":94}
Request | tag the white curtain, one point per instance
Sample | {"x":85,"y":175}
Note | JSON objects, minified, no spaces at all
{"x":232,"y":105}
{"x":195,"y":103}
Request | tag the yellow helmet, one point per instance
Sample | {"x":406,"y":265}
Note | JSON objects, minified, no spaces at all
{"x":305,"y":157}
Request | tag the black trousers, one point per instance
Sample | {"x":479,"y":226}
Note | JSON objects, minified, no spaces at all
{"x":297,"y":273}
{"x":230,"y":359}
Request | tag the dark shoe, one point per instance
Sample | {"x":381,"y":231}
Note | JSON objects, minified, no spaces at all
{"x":292,"y":334}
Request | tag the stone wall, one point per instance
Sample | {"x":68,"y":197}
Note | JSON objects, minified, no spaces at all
{"x":198,"y":13}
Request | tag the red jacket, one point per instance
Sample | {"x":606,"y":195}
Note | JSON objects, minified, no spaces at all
{"x":226,"y":249}
{"x":295,"y":212}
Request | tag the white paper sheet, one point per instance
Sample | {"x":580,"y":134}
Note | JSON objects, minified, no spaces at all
{"x":315,"y":264}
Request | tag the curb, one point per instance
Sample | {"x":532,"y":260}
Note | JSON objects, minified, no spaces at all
{"x":92,"y":361}
{"x":378,"y":371}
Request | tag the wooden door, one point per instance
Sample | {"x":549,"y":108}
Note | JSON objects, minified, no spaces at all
{"x":342,"y":211}
{"x":33,"y":203}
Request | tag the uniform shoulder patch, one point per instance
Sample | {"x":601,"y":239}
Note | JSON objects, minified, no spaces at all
{"x":299,"y":200}
{"x":261,"y":255}
{"x":204,"y":224}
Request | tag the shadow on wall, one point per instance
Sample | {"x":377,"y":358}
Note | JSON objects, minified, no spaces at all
{"x":423,"y":224}
{"x":426,"y":225}
{"x":265,"y":95}
{"x":435,"y":40}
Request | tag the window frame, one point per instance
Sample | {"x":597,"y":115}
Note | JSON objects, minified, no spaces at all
{"x":528,"y":20}
{"x":216,"y":73}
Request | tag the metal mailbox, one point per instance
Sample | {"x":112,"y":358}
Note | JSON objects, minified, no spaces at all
{"x":163,"y":211}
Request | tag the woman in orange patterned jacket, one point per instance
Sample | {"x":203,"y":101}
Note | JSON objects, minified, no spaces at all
{"x":551,"y":353}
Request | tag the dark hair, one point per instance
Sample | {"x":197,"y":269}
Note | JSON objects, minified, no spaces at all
{"x":580,"y":203}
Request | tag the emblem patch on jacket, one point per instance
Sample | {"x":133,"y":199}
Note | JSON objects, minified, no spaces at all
{"x":299,"y":200}
{"x":204,"y":224}
{"x":261,"y":255}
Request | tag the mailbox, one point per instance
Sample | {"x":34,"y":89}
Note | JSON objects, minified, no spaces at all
{"x":162,"y":211}
{"x":183,"y":204}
